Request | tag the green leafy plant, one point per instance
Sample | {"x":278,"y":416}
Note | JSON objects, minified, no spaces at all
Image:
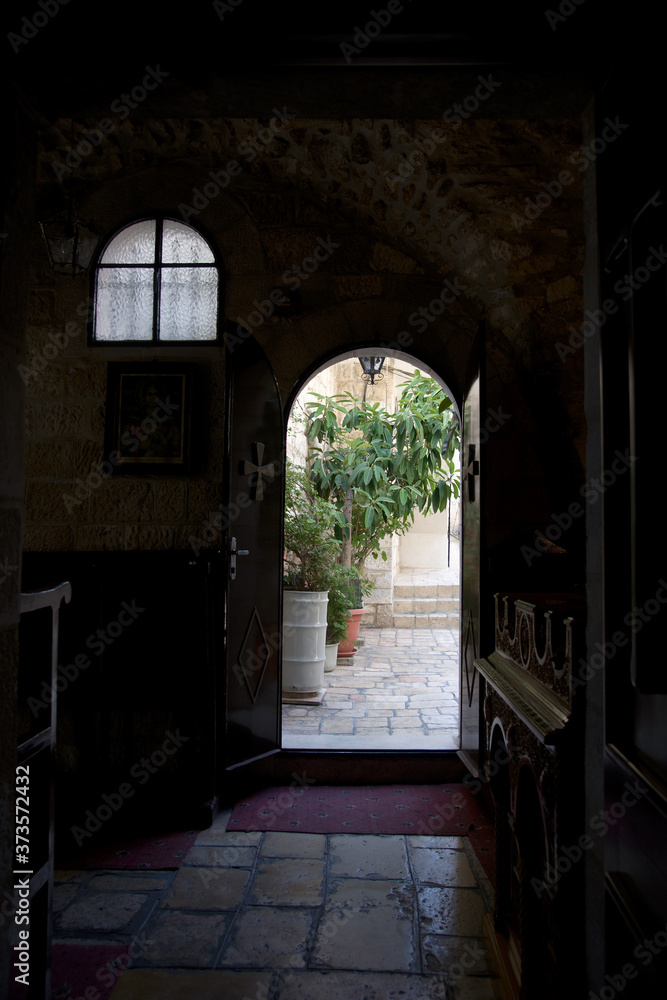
{"x":312,"y":548}
{"x":312,"y":551}
{"x":377,"y":468}
{"x":340,"y":598}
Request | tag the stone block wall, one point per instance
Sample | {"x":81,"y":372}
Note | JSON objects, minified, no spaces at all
{"x":73,"y":501}
{"x":394,"y":240}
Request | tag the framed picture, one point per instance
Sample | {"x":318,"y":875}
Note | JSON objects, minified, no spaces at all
{"x":148,"y":427}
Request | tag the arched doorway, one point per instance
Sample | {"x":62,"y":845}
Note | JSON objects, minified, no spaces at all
{"x":401,"y":689}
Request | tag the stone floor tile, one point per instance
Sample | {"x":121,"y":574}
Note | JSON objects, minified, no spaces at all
{"x":286,"y":882}
{"x":371,"y":723}
{"x":231,"y":838}
{"x":367,"y":924}
{"x":453,"y":843}
{"x":270,"y":938}
{"x":451,"y":911}
{"x":440,"y":866}
{"x":474,"y":988}
{"x":70,"y":875}
{"x":224,"y":985}
{"x":102,"y":911}
{"x":293,"y":845}
{"x":184,"y":940}
{"x":221,"y":857}
{"x":63,"y":894}
{"x":207,"y":889}
{"x":126,"y":881}
{"x":222,"y":819}
{"x":455,"y":957}
{"x":336,"y":726}
{"x":314,"y":985}
{"x":365,"y":856}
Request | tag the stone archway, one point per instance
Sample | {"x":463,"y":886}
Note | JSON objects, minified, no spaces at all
{"x":411,"y":616}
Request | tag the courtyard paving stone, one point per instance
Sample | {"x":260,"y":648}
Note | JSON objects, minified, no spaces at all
{"x":399,"y":692}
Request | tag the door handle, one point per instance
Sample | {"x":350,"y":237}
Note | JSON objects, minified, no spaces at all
{"x":233,"y":553}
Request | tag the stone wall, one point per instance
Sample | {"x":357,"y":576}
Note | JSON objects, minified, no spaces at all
{"x":395,"y":241}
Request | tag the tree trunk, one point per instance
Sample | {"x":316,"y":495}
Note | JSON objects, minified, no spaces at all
{"x":346,"y":551}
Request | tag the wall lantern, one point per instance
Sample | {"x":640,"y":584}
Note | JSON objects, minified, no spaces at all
{"x":371,"y":369}
{"x":70,"y":243}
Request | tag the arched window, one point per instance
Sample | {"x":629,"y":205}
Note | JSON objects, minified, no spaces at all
{"x":156,"y":280}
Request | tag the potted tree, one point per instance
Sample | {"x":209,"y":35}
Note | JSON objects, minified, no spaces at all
{"x":338,"y":616}
{"x":353,"y":588}
{"x":311,"y":570}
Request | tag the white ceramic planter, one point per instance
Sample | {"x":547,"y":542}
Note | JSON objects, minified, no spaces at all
{"x":330,"y":657}
{"x":304,"y":639}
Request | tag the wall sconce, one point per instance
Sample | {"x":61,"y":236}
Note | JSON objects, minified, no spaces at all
{"x":70,"y":243}
{"x":371,"y":369}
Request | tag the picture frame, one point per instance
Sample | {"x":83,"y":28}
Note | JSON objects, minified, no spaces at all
{"x":149,"y":417}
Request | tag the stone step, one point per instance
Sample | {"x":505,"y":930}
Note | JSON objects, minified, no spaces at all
{"x":438,"y":620}
{"x":430,"y":605}
{"x":426,"y":590}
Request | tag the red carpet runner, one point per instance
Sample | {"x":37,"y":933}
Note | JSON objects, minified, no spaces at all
{"x":141,"y":851}
{"x":418,"y":810}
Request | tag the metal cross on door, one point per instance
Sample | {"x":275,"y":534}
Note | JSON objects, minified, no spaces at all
{"x":258,"y":472}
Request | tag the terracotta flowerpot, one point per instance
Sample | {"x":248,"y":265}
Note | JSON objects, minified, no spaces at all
{"x":347,"y":647}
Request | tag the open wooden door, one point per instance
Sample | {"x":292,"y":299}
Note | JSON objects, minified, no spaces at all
{"x":253,"y":519}
{"x":472,"y":471}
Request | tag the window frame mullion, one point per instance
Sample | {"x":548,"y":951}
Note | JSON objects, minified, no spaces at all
{"x":157,"y":279}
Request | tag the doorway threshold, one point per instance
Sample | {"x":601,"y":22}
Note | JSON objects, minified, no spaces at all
{"x":368,"y":767}
{"x":382,"y":740}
